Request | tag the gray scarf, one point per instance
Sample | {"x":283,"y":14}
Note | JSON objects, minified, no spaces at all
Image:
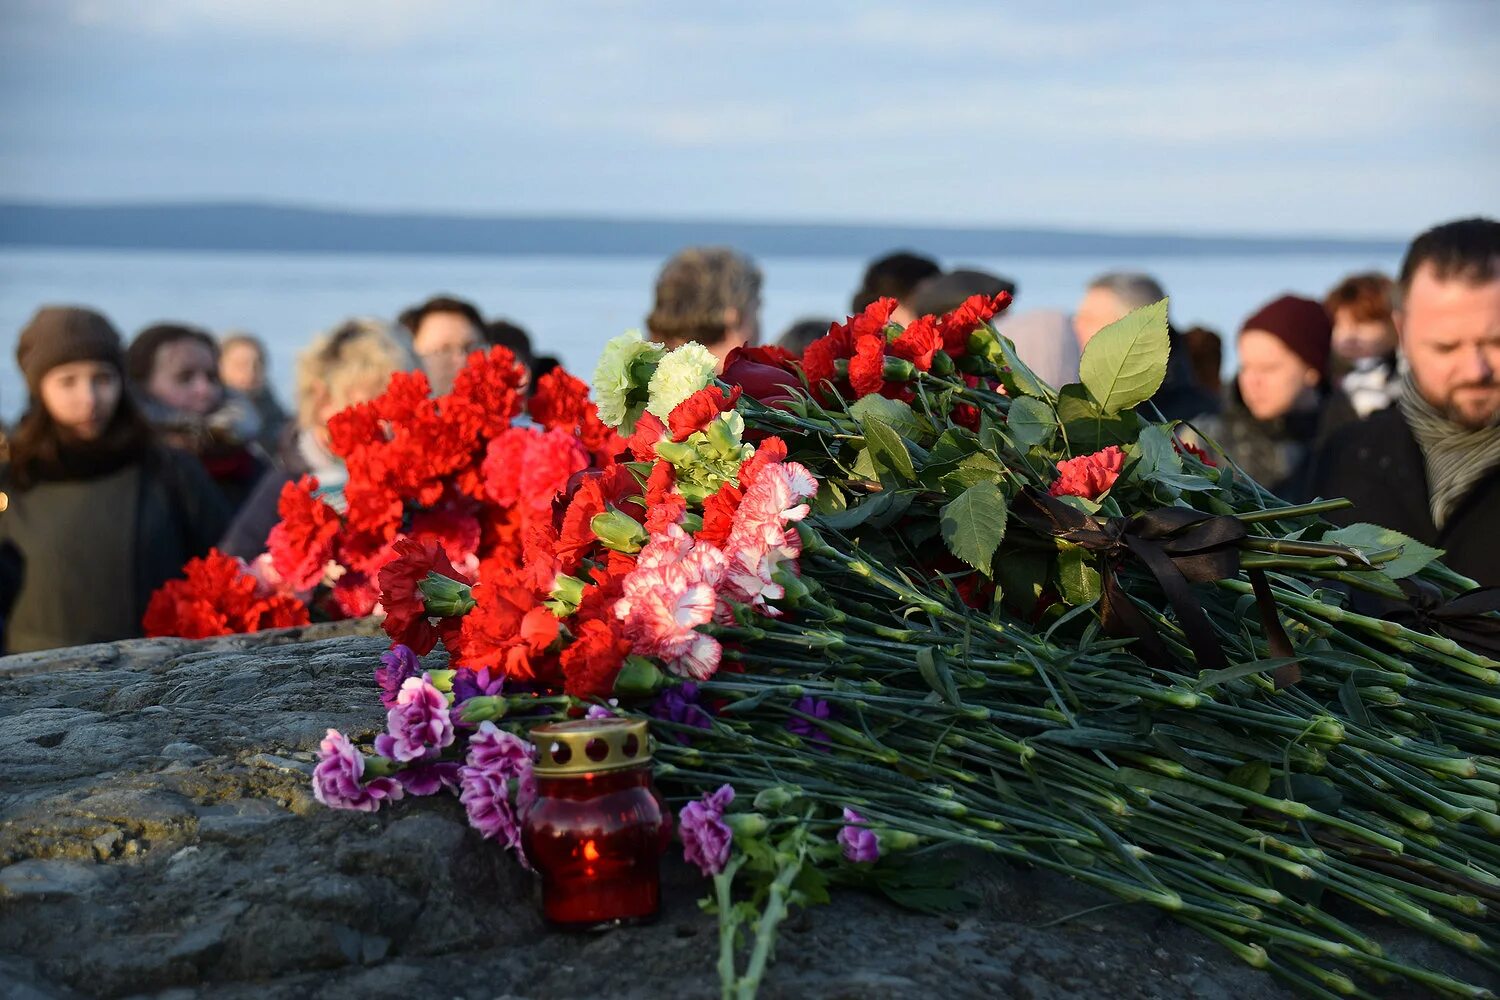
{"x":1457,"y":458}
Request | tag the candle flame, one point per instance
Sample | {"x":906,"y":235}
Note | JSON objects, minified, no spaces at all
{"x":590,"y":852}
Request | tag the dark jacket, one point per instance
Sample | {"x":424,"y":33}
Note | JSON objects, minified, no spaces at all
{"x":80,"y":558}
{"x":1378,"y":464}
{"x":1180,"y":396}
{"x":1277,"y":453}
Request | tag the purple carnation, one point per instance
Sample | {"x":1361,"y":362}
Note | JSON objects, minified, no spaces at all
{"x":497,"y":752}
{"x":486,"y":798}
{"x":338,"y":780}
{"x":818,"y":709}
{"x":705,"y":836}
{"x":859,"y":842}
{"x":429,"y":777}
{"x":598,"y":712}
{"x":680,"y":704}
{"x":399,"y":663}
{"x":419,"y":724}
{"x":476,"y":684}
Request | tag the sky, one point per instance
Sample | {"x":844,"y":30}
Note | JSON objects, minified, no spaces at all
{"x":1335,"y":117}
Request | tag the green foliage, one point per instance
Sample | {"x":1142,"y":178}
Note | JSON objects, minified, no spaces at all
{"x":1076,"y":576}
{"x":1126,"y":362}
{"x":1031,"y":422}
{"x":1087,"y":427}
{"x":888,"y":454}
{"x":973,"y":525}
{"x":895,"y":414}
{"x":1369,"y":538}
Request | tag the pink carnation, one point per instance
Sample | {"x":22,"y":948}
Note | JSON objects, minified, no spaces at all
{"x":338,"y":780}
{"x":671,"y":591}
{"x":859,"y":842}
{"x":419,"y":723}
{"x":760,"y":539}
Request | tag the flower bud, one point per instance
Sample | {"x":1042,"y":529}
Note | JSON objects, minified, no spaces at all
{"x":897,"y":840}
{"x":567,"y":591}
{"x":746,"y":824}
{"x":776,"y":798}
{"x":812,"y":542}
{"x":678,"y":453}
{"x":639,"y":676}
{"x":692,"y":523}
{"x":483,"y":708}
{"x":722,"y":436}
{"x":445,"y":597}
{"x":619,"y":531}
{"x":942,"y":363}
{"x":984,"y":343}
{"x":898,"y":370}
{"x":442,"y":680}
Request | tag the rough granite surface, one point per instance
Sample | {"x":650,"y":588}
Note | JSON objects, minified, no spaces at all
{"x":158,"y":837}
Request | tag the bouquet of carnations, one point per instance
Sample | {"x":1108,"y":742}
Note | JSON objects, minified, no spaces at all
{"x":899,"y":594}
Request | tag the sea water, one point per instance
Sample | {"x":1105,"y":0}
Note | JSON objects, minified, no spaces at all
{"x":570,"y":304}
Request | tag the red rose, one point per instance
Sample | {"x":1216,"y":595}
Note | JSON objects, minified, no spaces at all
{"x":769,"y":381}
{"x":1088,"y":476}
{"x":699,"y":410}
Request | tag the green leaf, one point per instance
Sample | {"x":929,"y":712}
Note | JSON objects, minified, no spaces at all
{"x":974,"y":524}
{"x":953,"y":447}
{"x":888,"y":453}
{"x":1254,"y":775}
{"x":1087,"y":427}
{"x":1031,"y":422}
{"x":811,"y":882}
{"x":880,"y":509}
{"x":1022,"y":574}
{"x":1156,"y":458}
{"x":934,"y":670}
{"x":1136,"y":778}
{"x":1209,"y":678}
{"x":1091,"y":738}
{"x":1076,"y":575}
{"x":1020,"y":379}
{"x":892,"y":412}
{"x":977,"y":468}
{"x":930,"y":900}
{"x":1125,"y":363}
{"x":1372,"y":538}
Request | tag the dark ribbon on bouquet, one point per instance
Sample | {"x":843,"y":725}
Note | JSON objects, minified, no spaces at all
{"x":1468,"y":619}
{"x":1179,"y":546}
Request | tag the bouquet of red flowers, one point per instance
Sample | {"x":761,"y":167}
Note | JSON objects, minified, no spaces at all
{"x":900,"y":592}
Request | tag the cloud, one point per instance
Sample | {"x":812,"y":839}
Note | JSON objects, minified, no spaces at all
{"x":351,"y":22}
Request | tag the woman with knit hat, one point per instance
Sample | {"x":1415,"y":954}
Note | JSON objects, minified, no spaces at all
{"x":1281,"y":404}
{"x":99,"y":515}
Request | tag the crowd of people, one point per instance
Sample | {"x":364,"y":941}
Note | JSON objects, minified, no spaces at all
{"x":131,"y":459}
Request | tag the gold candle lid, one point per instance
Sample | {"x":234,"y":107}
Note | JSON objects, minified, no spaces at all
{"x":588,"y":746}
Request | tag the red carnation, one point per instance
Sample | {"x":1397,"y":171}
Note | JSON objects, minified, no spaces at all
{"x":771,"y":451}
{"x":867,"y":366}
{"x":1088,"y":476}
{"x":592,"y":660}
{"x":559,"y":400}
{"x":489,"y":388}
{"x":217,"y":596}
{"x":356,"y":595}
{"x":699,"y":410}
{"x":918,"y":343}
{"x":507,"y":631}
{"x":970,"y":315}
{"x":1188,"y":448}
{"x":301,"y":544}
{"x":664,"y":505}
{"x":841,"y":341}
{"x":718,"y":514}
{"x":648,"y":431}
{"x":615,"y":487}
{"x":406,"y":618}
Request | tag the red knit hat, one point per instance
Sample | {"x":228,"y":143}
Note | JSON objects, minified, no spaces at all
{"x":1301,"y":324}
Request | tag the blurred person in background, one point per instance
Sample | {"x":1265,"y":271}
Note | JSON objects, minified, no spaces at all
{"x":541,"y":364}
{"x":708,"y":296}
{"x":894,"y":276}
{"x":1364,"y":341}
{"x":1429,"y":466}
{"x":1205,"y":351}
{"x":444,"y":332}
{"x":174,"y":373}
{"x":350,"y":364}
{"x":99,"y":514}
{"x":1110,"y":297}
{"x":243,"y":364}
{"x":1281,"y":405}
{"x":504,"y":333}
{"x":803,"y":332}
{"x":1044,"y":341}
{"x":945,"y":292}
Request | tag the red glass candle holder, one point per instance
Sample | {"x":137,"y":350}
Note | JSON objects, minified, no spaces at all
{"x":597,"y":829}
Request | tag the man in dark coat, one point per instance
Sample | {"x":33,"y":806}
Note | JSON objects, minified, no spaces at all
{"x":1430,"y":466}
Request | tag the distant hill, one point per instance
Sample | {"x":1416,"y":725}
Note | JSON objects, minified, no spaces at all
{"x":260,"y":227}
